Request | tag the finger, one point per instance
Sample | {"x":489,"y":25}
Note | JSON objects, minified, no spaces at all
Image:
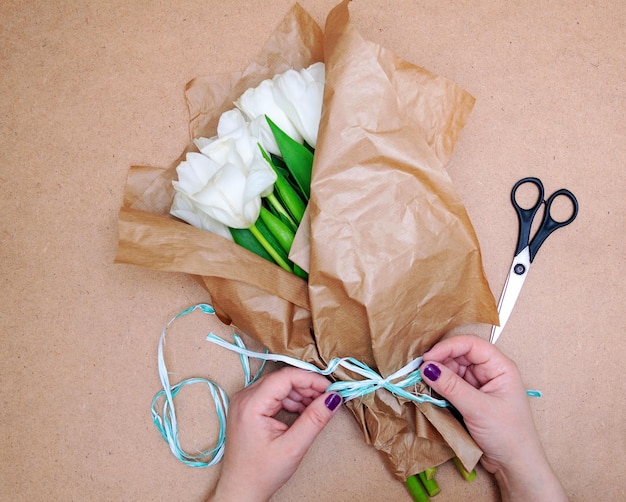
{"x":454,"y":365}
{"x":466,"y":349}
{"x":469,"y":377}
{"x":296,"y":401}
{"x":471,"y":353}
{"x":305,"y":401}
{"x":311,"y":422}
{"x":463,"y":368}
{"x":463,"y":396}
{"x":275,"y":387}
{"x":293,"y":406}
{"x":304,"y":394}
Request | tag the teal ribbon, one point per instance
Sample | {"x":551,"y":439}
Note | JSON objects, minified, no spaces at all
{"x":397,"y":383}
{"x":166,"y":421}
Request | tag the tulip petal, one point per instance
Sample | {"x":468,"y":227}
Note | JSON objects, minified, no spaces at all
{"x":314,"y":73}
{"x":231,"y":122}
{"x":223,"y":198}
{"x":184,"y":209}
{"x":218,"y":149}
{"x":194,"y":172}
{"x":261,"y":179}
{"x":260,"y":130}
{"x":202,"y":142}
{"x":301,"y":100}
{"x":259,"y":101}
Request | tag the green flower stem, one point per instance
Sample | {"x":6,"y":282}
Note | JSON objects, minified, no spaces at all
{"x":416,"y":489}
{"x":268,"y":247}
{"x":279,"y":229}
{"x":430,"y":473}
{"x":429,"y":483}
{"x":275,"y":203}
{"x":469,"y":476}
{"x":290,"y":197}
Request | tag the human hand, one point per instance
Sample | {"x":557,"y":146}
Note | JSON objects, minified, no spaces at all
{"x":262,"y":453}
{"x":486,"y":387}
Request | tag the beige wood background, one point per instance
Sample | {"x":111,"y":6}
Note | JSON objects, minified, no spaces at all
{"x":89,"y":88}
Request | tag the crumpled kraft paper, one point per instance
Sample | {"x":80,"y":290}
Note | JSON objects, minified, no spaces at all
{"x":393,"y":259}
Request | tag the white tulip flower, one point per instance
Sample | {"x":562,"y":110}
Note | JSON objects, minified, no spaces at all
{"x":258,"y":102}
{"x":300,"y":96}
{"x":229,"y":193}
{"x":232,"y":127}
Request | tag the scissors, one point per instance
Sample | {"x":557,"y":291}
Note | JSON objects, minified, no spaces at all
{"x":527,"y":248}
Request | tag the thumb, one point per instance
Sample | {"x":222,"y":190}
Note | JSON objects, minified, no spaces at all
{"x":463,"y":396}
{"x":312,"y":420}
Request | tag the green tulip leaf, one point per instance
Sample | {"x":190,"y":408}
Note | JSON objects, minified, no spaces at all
{"x":278,"y":163}
{"x":300,"y":272}
{"x":299,"y":158}
{"x":244,"y":237}
{"x":289,"y":197}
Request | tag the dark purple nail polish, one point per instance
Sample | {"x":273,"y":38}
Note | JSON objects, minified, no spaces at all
{"x":332,"y":401}
{"x":432,"y":372}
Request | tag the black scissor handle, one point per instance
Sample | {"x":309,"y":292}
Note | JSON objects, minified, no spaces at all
{"x":548,"y":224}
{"x":526,"y":215}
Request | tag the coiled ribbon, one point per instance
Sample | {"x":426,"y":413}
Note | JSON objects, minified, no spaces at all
{"x":165,"y":421}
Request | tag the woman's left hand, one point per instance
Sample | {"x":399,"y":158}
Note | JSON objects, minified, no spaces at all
{"x":262,"y":453}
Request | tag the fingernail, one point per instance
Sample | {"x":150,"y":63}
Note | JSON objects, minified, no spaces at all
{"x":332,"y":401}
{"x":432,"y":372}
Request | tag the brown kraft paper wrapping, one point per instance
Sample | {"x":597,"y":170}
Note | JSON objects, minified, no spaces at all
{"x":394,"y":262}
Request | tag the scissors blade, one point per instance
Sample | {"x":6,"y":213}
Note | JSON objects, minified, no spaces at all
{"x":512,"y":288}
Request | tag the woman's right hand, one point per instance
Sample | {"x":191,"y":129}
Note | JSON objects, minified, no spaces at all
{"x":486,"y":387}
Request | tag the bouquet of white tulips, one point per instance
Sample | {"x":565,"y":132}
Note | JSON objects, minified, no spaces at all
{"x":251,"y":182}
